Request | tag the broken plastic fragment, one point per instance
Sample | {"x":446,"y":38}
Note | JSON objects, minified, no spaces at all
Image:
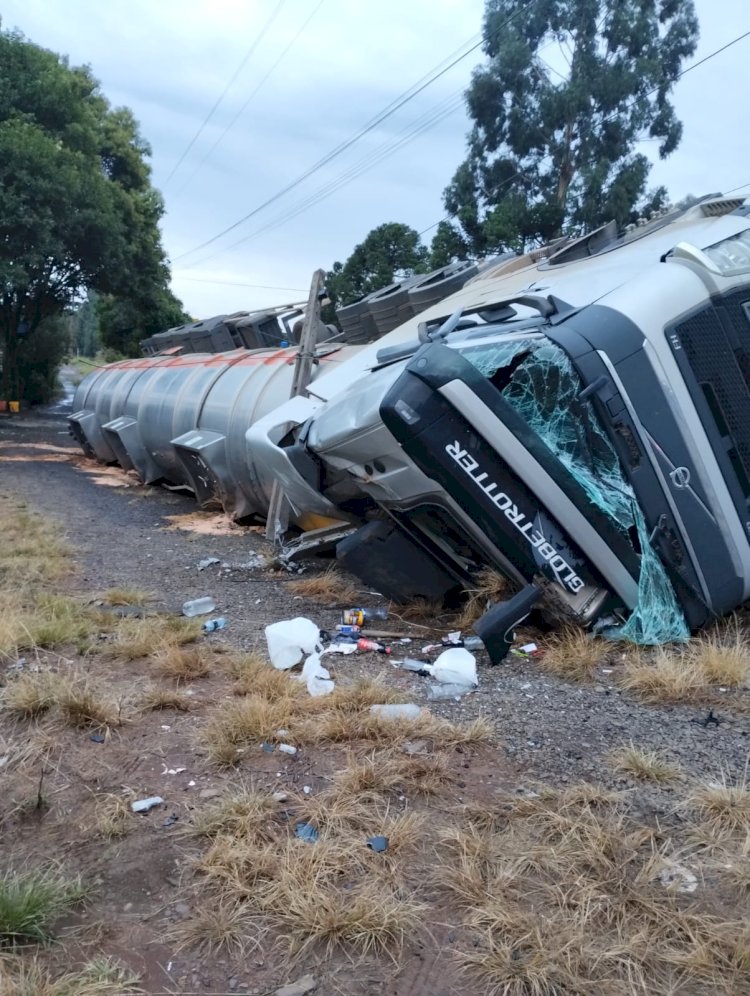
{"x":306,"y":832}
{"x":317,"y":677}
{"x":143,"y":805}
{"x":378,"y":843}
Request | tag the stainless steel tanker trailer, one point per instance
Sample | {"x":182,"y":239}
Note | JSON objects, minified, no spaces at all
{"x":578,"y":420}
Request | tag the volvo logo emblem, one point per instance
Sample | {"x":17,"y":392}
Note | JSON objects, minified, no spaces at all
{"x":680,"y":477}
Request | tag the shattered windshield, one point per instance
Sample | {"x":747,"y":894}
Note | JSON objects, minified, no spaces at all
{"x":538,"y":380}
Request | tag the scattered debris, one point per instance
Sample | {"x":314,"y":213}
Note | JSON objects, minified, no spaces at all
{"x":97,"y":738}
{"x":173,"y":771}
{"x":378,"y":843}
{"x":198,"y":606}
{"x":268,"y":748}
{"x":372,"y":646}
{"x":170,"y":820}
{"x":451,"y":690}
{"x":677,"y":878}
{"x":307,"y":789}
{"x":301,"y":987}
{"x":4,"y":760}
{"x":455,"y":667}
{"x":414,"y":747}
{"x":709,"y":720}
{"x":287,"y":749}
{"x":207,"y":562}
{"x":410,"y":664}
{"x":306,"y":832}
{"x":143,"y":805}
{"x":280,"y":797}
{"x":290,"y":640}
{"x":358,"y":617}
{"x":317,"y":677}
{"x":211,"y":625}
{"x":339,"y":647}
{"x":396,"y":710}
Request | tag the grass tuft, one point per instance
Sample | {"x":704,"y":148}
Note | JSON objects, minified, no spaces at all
{"x":127,"y":596}
{"x":572,"y":655}
{"x":489,"y":587}
{"x":113,"y":817}
{"x":183,"y":663}
{"x":103,"y":976}
{"x":225,"y":925}
{"x":134,"y":638}
{"x":165,"y":698}
{"x":31,"y":901}
{"x":245,"y":813}
{"x":331,"y":588}
{"x":85,"y":703}
{"x":31,"y":694}
{"x":644,"y":765}
{"x":723,"y":807}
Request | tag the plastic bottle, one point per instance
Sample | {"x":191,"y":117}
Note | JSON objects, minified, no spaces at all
{"x":359,"y":616}
{"x":346,"y":629}
{"x":468,"y":643}
{"x":396,"y":710}
{"x":210,"y":625}
{"x":199,"y":606}
{"x":379,"y":648}
{"x":409,"y":664}
{"x":452,"y":691}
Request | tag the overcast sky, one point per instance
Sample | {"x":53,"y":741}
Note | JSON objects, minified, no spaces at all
{"x":171,"y":60}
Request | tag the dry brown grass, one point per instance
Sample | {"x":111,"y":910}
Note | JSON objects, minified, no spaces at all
{"x":369,"y":919}
{"x":24,"y":975}
{"x":134,"y":638}
{"x":127,"y":596}
{"x":87,"y":703}
{"x":723,"y":807}
{"x":331,"y":588}
{"x":387,"y":771}
{"x":572,"y":654}
{"x":341,"y":727}
{"x":113,"y":817}
{"x":719,"y":659}
{"x":31,"y":693}
{"x":32,"y":551}
{"x":234,"y":727}
{"x":183,"y":663}
{"x":224,"y":925}
{"x":156,"y":698}
{"x":240,"y":814}
{"x":722,"y":657}
{"x":644,"y":765}
{"x":563,"y":898}
{"x":489,"y":588}
{"x":254,"y":676}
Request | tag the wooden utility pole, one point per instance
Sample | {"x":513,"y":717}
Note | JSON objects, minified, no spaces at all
{"x":278,"y":509}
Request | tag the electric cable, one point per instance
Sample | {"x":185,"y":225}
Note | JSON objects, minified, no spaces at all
{"x":259,"y":37}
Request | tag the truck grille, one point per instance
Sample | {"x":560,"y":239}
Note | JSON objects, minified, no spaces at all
{"x":717,"y":348}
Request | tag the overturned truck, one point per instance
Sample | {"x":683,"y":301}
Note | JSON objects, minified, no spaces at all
{"x":577,"y":419}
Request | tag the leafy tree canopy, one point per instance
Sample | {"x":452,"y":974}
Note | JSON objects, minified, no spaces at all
{"x":389,"y":252}
{"x":77,"y":208}
{"x":551,"y":151}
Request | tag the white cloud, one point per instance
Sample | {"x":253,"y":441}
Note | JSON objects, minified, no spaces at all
{"x":170,"y":60}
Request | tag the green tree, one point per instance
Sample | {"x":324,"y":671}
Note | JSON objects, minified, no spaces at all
{"x":86,"y":326}
{"x":77,"y":209}
{"x":447,"y":246}
{"x":389,"y":252}
{"x":124,"y":322}
{"x":553,"y":152}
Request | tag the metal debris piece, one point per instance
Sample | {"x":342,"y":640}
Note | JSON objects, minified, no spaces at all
{"x":207,"y":562}
{"x":378,"y":843}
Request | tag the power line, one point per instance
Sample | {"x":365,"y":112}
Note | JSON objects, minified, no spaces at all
{"x":254,"y":93}
{"x":387,"y":112}
{"x":426,"y":121}
{"x":222,"y":95}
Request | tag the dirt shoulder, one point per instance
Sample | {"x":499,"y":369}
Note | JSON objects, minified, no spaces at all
{"x":466,"y":806}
